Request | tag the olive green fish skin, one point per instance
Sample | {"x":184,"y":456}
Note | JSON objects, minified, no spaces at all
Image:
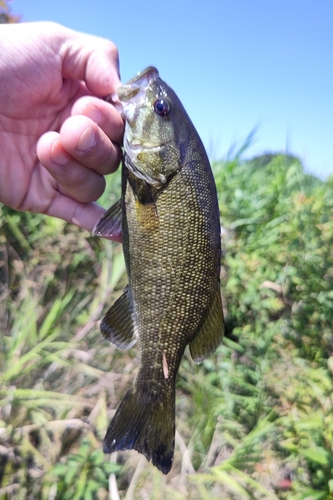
{"x":171,"y":240}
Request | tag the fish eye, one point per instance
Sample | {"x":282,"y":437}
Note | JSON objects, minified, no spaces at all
{"x":162,"y":107}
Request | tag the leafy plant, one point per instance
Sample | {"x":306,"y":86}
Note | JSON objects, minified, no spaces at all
{"x":253,"y":421}
{"x":85,"y":474}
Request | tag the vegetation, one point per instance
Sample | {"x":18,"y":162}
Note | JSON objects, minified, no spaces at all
{"x":254,"y":421}
{"x":5,"y":14}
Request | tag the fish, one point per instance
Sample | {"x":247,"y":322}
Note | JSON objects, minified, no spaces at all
{"x":168,"y":216}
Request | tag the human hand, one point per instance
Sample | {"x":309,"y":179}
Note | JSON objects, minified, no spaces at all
{"x":58,"y":138}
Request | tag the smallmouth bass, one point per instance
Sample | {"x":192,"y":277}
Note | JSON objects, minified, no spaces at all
{"x":169,"y":218}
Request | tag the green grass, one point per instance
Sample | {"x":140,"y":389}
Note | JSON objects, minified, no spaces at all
{"x":254,"y":421}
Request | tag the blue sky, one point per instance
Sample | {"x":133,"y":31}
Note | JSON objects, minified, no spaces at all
{"x":235,"y":64}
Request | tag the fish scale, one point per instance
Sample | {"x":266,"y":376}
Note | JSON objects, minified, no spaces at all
{"x":171,"y":238}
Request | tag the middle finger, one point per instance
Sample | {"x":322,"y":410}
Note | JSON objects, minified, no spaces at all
{"x":103,"y":113}
{"x":85,"y":141}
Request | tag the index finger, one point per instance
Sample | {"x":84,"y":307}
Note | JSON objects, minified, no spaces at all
{"x":91,"y":59}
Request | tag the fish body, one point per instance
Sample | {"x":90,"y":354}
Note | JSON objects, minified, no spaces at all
{"x":169,"y":219}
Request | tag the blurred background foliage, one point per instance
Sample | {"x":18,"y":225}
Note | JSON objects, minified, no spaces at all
{"x":254,"y":421}
{"x":6,"y":15}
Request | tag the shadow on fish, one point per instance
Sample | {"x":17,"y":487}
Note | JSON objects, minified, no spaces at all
{"x":169,"y":219}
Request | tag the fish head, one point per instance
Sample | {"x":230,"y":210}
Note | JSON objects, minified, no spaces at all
{"x":156,"y":126}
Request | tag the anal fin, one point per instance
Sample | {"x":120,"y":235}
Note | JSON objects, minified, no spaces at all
{"x":210,"y":331}
{"x":117,"y":326}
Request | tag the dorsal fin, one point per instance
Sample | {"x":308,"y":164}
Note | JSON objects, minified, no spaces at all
{"x":210,"y":331}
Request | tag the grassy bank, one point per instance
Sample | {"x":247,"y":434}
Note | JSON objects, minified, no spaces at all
{"x":253,"y":421}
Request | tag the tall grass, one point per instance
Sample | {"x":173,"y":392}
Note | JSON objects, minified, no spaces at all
{"x":254,"y":421}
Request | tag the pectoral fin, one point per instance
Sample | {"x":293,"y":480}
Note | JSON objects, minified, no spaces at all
{"x":110,"y":223}
{"x":210,"y":332}
{"x":117,"y":326}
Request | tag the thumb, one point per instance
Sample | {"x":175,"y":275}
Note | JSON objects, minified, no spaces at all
{"x":91,"y":59}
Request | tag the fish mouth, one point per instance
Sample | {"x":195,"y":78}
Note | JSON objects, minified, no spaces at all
{"x":141,"y":81}
{"x":136,"y":87}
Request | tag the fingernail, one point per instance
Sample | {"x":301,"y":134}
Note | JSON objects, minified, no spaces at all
{"x":58,"y":155}
{"x":92,"y":112}
{"x":87,"y":140}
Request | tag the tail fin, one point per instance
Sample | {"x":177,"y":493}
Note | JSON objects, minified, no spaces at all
{"x":145,"y":425}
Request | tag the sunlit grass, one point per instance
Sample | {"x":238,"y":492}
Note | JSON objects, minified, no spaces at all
{"x":253,"y":421}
